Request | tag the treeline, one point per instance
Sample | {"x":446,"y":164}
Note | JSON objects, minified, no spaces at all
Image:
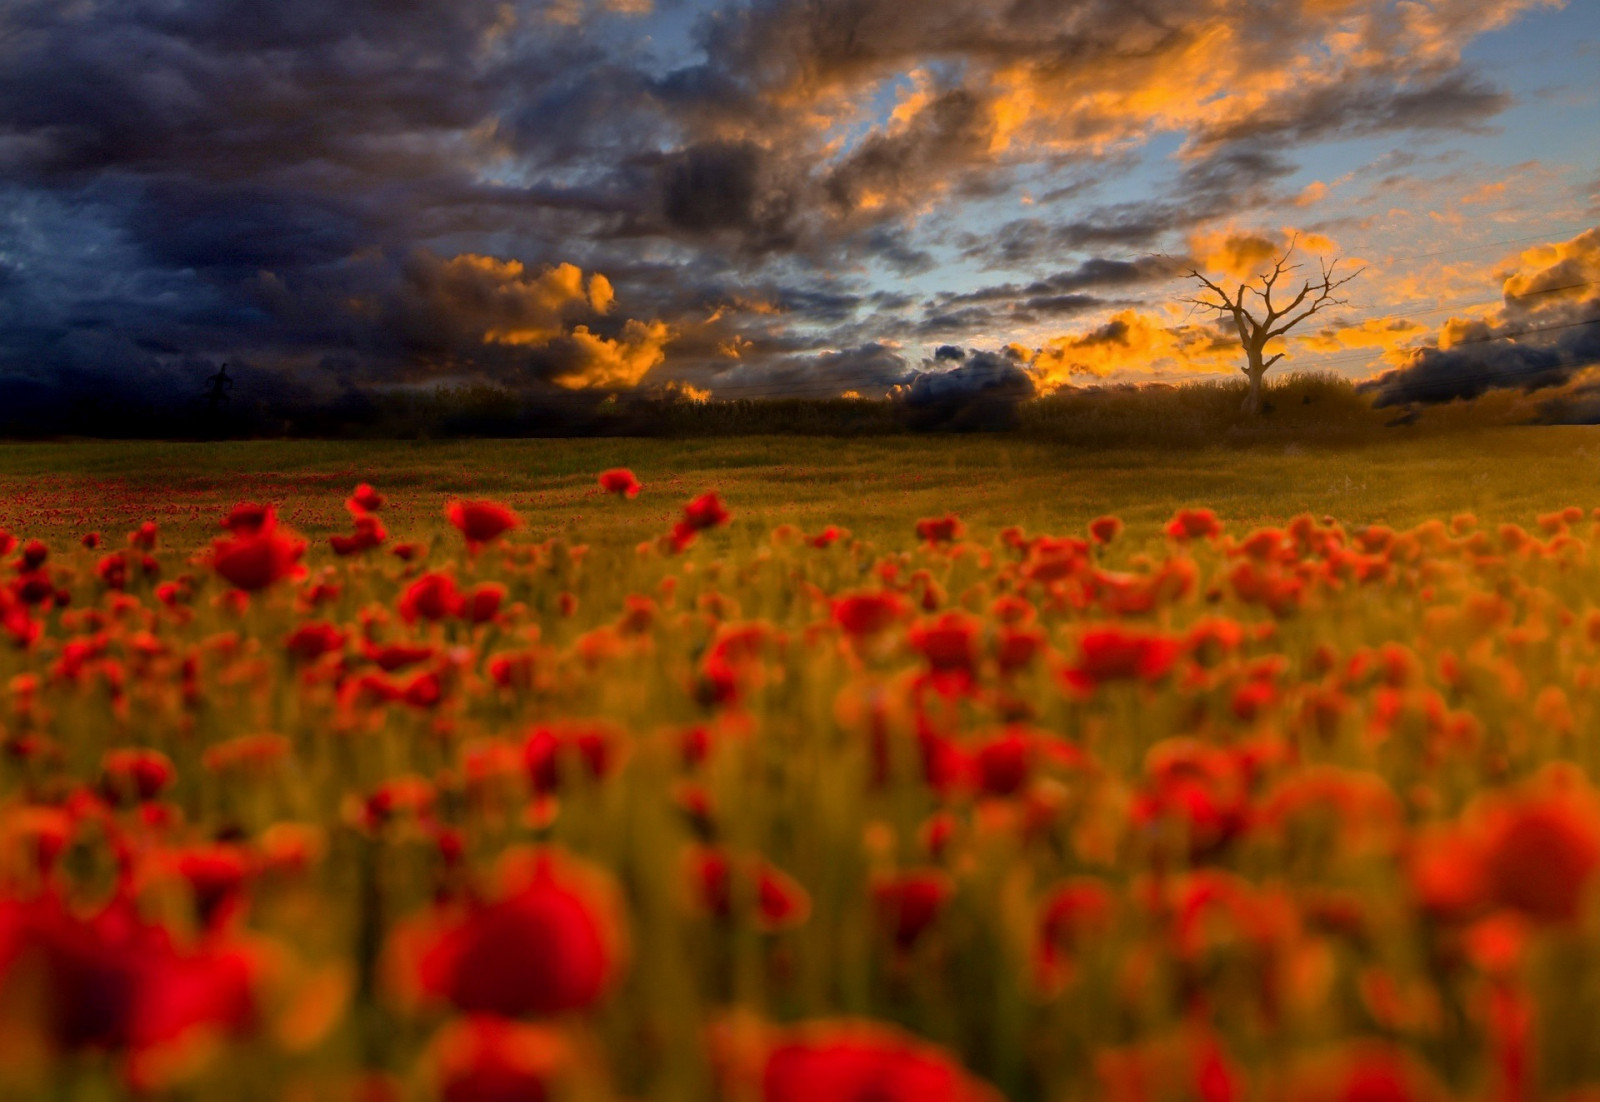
{"x":1299,"y":407}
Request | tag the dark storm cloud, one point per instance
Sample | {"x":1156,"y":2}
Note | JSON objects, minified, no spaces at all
{"x":186,"y":181}
{"x":1469,"y":370}
{"x":1546,"y":331}
{"x":1453,"y":101}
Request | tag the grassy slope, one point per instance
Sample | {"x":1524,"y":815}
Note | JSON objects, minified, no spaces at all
{"x":875,"y":487}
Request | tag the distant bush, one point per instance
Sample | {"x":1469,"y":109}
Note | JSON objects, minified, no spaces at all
{"x":1310,"y":406}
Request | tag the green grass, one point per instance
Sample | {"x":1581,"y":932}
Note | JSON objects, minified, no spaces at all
{"x":877,"y":487}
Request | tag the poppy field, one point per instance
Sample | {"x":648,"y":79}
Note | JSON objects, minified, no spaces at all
{"x":915,"y":770}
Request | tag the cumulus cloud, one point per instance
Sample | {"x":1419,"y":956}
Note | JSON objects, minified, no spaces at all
{"x":1545,"y":330}
{"x":1138,"y":343}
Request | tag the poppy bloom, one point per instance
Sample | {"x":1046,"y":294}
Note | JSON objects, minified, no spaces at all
{"x":705,"y":511}
{"x":908,"y":903}
{"x":848,"y":1061}
{"x":364,"y":500}
{"x":433,"y":596}
{"x":1072,"y":914}
{"x":1121,"y":654}
{"x":309,"y":642}
{"x":550,"y":941}
{"x":720,"y":882}
{"x":1193,"y":524}
{"x":249,"y":519}
{"x":949,"y":643}
{"x":554,"y":752}
{"x":483,"y":603}
{"x":488,"y":1059}
{"x":619,"y":480}
{"x":481,"y":522}
{"x":944,"y":529}
{"x":1540,"y":857}
{"x":369,"y":533}
{"x":137,"y":774}
{"x":862,"y":614}
{"x":255,"y":560}
{"x":1105,"y":529}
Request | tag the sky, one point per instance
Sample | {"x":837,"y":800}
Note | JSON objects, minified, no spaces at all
{"x":791,"y":197}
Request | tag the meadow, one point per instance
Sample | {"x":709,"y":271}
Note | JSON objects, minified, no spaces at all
{"x":784,"y":768}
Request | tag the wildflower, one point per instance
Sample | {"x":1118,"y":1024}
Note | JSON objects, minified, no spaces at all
{"x":548,"y":942}
{"x":720,"y":882}
{"x":705,"y":511}
{"x":849,"y":1061}
{"x":1105,"y":529}
{"x":907,"y":904}
{"x":369,"y":533}
{"x":484,"y":1058}
{"x":620,"y":481}
{"x":481,"y":522}
{"x":1115,"y":653}
{"x":864,"y":614}
{"x":364,"y":500}
{"x":433,"y":596}
{"x":945,"y":529}
{"x":1193,"y":524}
{"x":254,"y":560}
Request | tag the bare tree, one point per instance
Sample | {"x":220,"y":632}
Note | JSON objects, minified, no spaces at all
{"x":1260,"y":323}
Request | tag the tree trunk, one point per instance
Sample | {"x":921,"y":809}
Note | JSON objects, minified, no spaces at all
{"x":1256,"y":369}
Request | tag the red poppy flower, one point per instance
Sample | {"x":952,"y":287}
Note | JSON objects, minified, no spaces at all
{"x":369,"y":533}
{"x":619,"y":480}
{"x":1121,"y":654}
{"x":1193,"y":524}
{"x":861,"y":614}
{"x":135,"y":774}
{"x":488,"y":1059}
{"x":1072,"y":914}
{"x":1540,"y":857}
{"x":550,"y":941}
{"x":249,"y":519}
{"x":483,"y":603}
{"x":481,"y":521}
{"x":848,"y":1061}
{"x":34,"y":553}
{"x":944,"y":529}
{"x":720,"y":882}
{"x":705,"y":511}
{"x":253,"y":561}
{"x":1105,"y":529}
{"x":907,"y":903}
{"x":433,"y":596}
{"x":554,"y":751}
{"x":309,"y":642}
{"x":364,"y":500}
{"x":1002,"y":765}
{"x":949,"y":643}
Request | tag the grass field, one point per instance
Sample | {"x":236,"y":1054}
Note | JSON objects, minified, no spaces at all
{"x":875,"y":487}
{"x":1278,"y":786}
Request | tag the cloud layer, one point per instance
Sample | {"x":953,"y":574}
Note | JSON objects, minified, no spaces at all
{"x":749,"y":196}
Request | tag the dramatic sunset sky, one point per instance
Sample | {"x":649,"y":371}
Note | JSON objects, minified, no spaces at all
{"x":787,"y":196}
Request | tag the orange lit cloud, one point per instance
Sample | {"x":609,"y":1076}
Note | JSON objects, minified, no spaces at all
{"x":1244,"y":255}
{"x":1133,"y":342}
{"x":451,"y":304}
{"x":620,"y":363}
{"x":1383,"y":334}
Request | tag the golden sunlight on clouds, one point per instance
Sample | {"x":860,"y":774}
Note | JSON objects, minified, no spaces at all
{"x":600,"y":362}
{"x":1245,"y":255}
{"x":1386,"y":335}
{"x":1561,"y":270}
{"x":1136,"y":342}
